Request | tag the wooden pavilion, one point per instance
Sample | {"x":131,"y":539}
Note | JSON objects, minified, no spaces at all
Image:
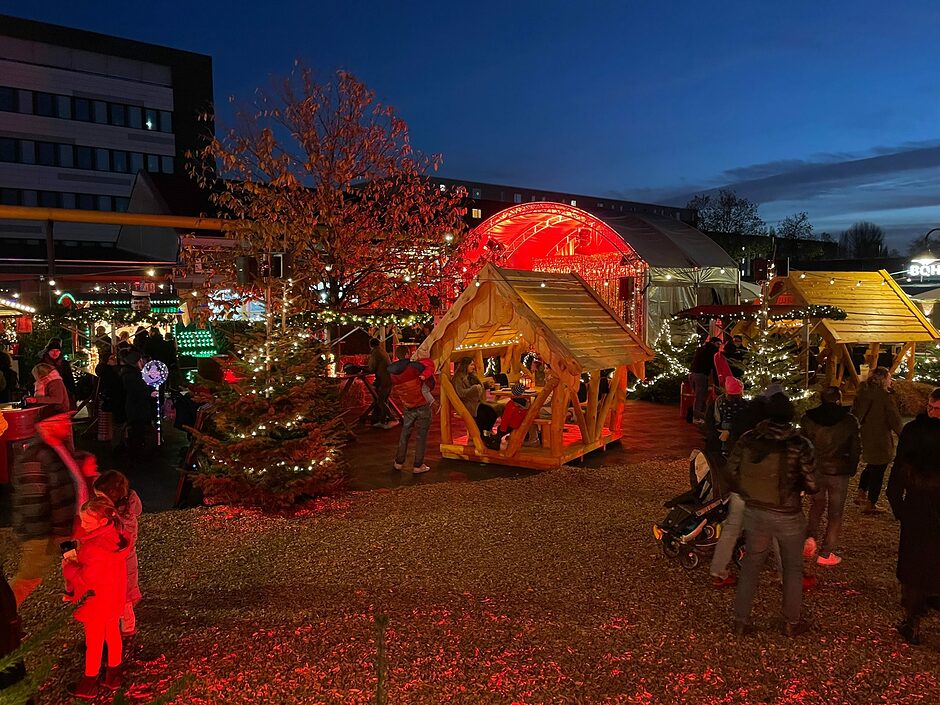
{"x":506,"y":313}
{"x":878,"y":315}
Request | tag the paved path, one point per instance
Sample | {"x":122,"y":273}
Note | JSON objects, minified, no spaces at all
{"x":652,"y":431}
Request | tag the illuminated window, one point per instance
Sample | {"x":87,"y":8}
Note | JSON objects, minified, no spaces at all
{"x":517,"y":198}
{"x":574,"y":202}
{"x":476,"y":213}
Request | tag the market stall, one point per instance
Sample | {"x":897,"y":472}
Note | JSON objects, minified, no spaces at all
{"x":508,"y":313}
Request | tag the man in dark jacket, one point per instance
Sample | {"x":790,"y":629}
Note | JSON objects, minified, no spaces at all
{"x":769,"y":467}
{"x":138,"y":407}
{"x":914,"y":494}
{"x":700,"y":373}
{"x":44,"y":498}
{"x":834,"y":433}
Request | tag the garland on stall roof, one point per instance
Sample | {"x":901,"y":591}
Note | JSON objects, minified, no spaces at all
{"x":372,"y":320}
{"x":811,"y":311}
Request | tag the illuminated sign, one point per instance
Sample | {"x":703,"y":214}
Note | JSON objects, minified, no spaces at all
{"x":924,"y":270}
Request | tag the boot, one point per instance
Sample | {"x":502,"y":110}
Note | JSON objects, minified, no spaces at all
{"x":86,"y":688}
{"x":909,"y":630}
{"x":113,"y":677}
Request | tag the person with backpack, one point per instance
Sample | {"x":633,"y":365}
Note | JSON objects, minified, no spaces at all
{"x":769,"y":468}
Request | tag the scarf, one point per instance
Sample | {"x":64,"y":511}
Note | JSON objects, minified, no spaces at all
{"x":43,"y":382}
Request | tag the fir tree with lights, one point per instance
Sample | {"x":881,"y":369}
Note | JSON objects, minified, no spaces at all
{"x":274,"y":435}
{"x":666,"y":372}
{"x":774,"y":357}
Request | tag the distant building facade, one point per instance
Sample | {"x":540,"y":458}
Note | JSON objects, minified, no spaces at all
{"x":81,"y":114}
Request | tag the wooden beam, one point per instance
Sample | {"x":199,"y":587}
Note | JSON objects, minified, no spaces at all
{"x":447,"y":387}
{"x":612,"y":394}
{"x":579,"y":413}
{"x":447,"y":431}
{"x":902,"y":355}
{"x":594,"y":387}
{"x":849,"y":364}
{"x":557,"y":429}
{"x":871,"y":357}
{"x":519,"y":434}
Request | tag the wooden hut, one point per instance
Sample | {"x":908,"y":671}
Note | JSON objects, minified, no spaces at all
{"x":879,"y":316}
{"x":506,"y":313}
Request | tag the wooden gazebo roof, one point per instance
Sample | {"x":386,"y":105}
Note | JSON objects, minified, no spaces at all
{"x":560,"y":315}
{"x":877,"y":310}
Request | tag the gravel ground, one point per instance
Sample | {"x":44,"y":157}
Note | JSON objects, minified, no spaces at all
{"x":548,"y":589}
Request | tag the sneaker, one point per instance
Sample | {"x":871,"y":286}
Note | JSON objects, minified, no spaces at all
{"x":113,"y":676}
{"x":397,"y":466}
{"x":831,"y":559}
{"x":792,"y":629}
{"x":420,"y":469}
{"x":720,"y":583}
{"x":85,"y":689}
{"x":809,"y":547}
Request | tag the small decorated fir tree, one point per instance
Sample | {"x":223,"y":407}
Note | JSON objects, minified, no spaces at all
{"x":274,"y":435}
{"x":774,"y":357}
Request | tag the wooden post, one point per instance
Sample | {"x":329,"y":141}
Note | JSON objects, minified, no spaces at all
{"x":473,"y":432}
{"x":579,"y":414}
{"x":557,"y":428}
{"x":608,"y":402}
{"x":447,"y":431}
{"x":594,"y":387}
{"x":519,"y":434}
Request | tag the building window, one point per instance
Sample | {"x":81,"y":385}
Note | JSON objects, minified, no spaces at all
{"x":99,"y":110}
{"x":476,"y":213}
{"x":63,"y":107}
{"x":574,"y":202}
{"x":84,"y":158}
{"x":67,"y":200}
{"x":104,"y":203}
{"x":8,"y":99}
{"x":30,"y":198}
{"x":166,"y":121}
{"x":45,"y":153}
{"x":27,"y":152}
{"x":478,"y":193}
{"x":86,"y":202}
{"x":48,"y":199}
{"x":517,"y":198}
{"x":82,"y":109}
{"x":135,"y":117}
{"x":102,"y":160}
{"x":120,"y":204}
{"x":119,"y":160}
{"x":150,"y":119}
{"x":66,"y":155}
{"x":8,"y":149}
{"x":9,"y":197}
{"x":136,"y":162}
{"x":44,"y":104}
{"x":153,"y":163}
{"x":118,"y":115}
{"x":166,"y":165}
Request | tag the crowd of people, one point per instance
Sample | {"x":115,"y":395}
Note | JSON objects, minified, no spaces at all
{"x":769,"y":464}
{"x":65,"y":511}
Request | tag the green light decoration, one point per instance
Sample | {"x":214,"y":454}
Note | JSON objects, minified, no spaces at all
{"x":195,"y":342}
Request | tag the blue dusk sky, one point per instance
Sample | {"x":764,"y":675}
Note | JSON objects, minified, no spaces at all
{"x":828,"y":107}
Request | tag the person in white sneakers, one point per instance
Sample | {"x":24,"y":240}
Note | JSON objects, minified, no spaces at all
{"x":834,"y":433}
{"x":412,"y":382}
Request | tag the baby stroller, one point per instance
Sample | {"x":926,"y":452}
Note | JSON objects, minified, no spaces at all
{"x":693,"y":523}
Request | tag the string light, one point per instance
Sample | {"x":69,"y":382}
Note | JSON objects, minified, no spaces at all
{"x":542,"y":285}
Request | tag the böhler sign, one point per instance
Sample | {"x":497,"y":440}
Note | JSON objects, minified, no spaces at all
{"x":924,"y":270}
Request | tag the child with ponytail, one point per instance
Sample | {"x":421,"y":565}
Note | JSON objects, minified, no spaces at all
{"x":114,"y":486}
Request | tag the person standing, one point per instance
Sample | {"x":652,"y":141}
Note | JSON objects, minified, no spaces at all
{"x":49,"y":388}
{"x":834,"y":433}
{"x":45,"y":502}
{"x":735,"y":352}
{"x":378,"y":365}
{"x":878,"y":416}
{"x":138,"y":408}
{"x":409,"y":382}
{"x":700,"y":374}
{"x":52,"y":355}
{"x":9,"y":382}
{"x":769,"y":467}
{"x":914,"y":495}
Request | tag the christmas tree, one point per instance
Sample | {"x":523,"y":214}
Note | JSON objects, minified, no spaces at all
{"x":274,"y":435}
{"x":666,"y":372}
{"x":774,"y":357}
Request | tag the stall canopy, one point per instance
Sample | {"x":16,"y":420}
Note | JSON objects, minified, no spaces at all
{"x":646,"y":268}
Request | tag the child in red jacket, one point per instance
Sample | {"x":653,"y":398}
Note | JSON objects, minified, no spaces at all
{"x":98,"y":569}
{"x":114,"y":486}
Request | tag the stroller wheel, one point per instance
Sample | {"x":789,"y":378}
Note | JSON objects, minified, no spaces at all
{"x":670,"y":547}
{"x":739,"y":551}
{"x":709,"y":531}
{"x":688,"y":560}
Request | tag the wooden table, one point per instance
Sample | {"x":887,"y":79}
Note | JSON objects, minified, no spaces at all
{"x":367,"y":378}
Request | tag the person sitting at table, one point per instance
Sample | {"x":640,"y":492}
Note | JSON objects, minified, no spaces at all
{"x":49,"y":389}
{"x":513,"y":416}
{"x":472,"y":393}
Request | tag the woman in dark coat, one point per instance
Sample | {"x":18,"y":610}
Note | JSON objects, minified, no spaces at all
{"x":878,"y":416}
{"x":53,"y":356}
{"x":914,"y":494}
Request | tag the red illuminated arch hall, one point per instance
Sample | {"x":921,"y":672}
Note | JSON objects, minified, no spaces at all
{"x":645,"y":267}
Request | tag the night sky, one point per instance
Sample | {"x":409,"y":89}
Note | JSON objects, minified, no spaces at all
{"x":826,"y":107}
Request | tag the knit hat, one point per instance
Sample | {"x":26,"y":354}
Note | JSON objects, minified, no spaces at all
{"x":54,"y":344}
{"x":733,"y":385}
{"x":517,"y":390}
